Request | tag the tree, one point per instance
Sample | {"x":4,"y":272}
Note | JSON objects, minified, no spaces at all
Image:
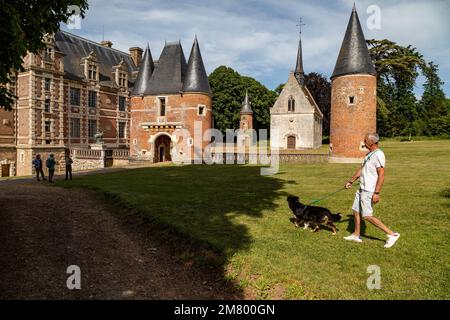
{"x":24,"y":24}
{"x":279,"y":88}
{"x":320,"y":88}
{"x":433,"y":103}
{"x":228,"y":89}
{"x":397,"y":70}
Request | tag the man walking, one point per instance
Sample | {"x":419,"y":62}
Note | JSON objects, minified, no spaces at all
{"x":371,"y":175}
{"x":37,"y":163}
{"x":69,"y":162}
{"x":50,"y":163}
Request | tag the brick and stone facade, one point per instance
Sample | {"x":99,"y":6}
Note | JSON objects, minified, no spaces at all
{"x":76,"y":88}
{"x":353,"y":114}
{"x":171,"y":107}
{"x":66,"y":93}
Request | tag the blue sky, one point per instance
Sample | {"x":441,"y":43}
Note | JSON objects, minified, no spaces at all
{"x":259,"y":38}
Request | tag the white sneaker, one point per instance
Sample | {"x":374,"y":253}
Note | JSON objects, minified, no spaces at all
{"x":352,"y":237}
{"x":392,"y":240}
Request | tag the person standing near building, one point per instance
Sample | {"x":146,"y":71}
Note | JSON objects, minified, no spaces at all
{"x":371,"y":175}
{"x":37,"y":163}
{"x":51,"y":163}
{"x":69,"y":162}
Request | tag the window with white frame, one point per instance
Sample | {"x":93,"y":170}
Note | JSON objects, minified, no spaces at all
{"x":351,"y":100}
{"x":92,"y":71}
{"x":122,"y":79}
{"x":48,"y":53}
{"x":201,"y":110}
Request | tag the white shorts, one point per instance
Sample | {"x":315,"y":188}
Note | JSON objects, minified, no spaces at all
{"x":363,"y":203}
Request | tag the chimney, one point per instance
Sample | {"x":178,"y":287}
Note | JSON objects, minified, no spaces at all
{"x":136,"y":55}
{"x":106,"y":43}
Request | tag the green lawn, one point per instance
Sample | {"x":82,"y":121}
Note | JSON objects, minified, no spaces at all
{"x":245,"y":217}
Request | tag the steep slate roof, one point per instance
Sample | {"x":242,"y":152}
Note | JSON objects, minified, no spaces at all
{"x":354,"y":57}
{"x":75,"y":48}
{"x":196,"y":78}
{"x":299,"y":72}
{"x":145,"y":73}
{"x":170,"y":71}
{"x":246,"y":105}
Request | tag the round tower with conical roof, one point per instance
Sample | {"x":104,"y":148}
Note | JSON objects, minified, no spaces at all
{"x":246,"y":114}
{"x":353,"y":96}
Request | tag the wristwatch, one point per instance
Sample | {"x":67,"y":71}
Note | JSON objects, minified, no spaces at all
{"x":376,"y":193}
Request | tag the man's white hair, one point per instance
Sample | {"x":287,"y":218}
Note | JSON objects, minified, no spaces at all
{"x":373,"y":137}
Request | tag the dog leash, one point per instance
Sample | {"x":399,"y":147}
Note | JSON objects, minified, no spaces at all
{"x":316,"y":201}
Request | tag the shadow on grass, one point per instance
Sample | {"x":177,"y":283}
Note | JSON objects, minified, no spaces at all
{"x":351,"y":228}
{"x":446,"y":194}
{"x":202,"y":207}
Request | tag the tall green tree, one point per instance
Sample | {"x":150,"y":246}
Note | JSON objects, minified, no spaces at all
{"x":433,"y":103}
{"x":397,"y":70}
{"x":23,"y":26}
{"x":228,"y":89}
{"x":320,"y":88}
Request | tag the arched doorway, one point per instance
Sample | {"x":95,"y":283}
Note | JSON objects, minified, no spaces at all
{"x":291,"y":142}
{"x":162,"y":148}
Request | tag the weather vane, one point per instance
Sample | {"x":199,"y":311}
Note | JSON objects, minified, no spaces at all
{"x":300,"y":25}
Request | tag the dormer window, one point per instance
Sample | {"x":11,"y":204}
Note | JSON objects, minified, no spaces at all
{"x":123,"y":79}
{"x":48,"y":53}
{"x":291,"y":105}
{"x":92,"y":72}
{"x":120,"y":73}
{"x":91,"y":67}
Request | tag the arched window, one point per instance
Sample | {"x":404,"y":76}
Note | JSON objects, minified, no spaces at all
{"x":291,"y":105}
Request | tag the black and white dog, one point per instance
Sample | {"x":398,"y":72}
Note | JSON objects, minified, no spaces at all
{"x":311,"y":215}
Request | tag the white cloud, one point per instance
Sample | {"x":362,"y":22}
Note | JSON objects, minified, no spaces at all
{"x":259,"y":37}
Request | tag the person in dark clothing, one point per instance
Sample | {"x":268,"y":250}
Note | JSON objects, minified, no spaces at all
{"x":69,"y":162}
{"x":50,"y":163}
{"x":37,"y":163}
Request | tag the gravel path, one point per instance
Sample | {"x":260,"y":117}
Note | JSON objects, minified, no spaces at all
{"x":44,"y":229}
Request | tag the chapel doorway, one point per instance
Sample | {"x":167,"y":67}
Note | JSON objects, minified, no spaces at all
{"x":291,"y":142}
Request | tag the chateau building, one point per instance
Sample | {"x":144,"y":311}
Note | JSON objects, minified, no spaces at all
{"x":76,"y":88}
{"x":171,"y":99}
{"x":161,"y":110}
{"x":295,"y":119}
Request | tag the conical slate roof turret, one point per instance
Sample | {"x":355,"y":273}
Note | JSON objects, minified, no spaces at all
{"x":299,"y":73}
{"x":145,"y":73}
{"x":169,"y":71}
{"x":196,"y":79}
{"x":246,"y":105}
{"x":354,"y":57}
